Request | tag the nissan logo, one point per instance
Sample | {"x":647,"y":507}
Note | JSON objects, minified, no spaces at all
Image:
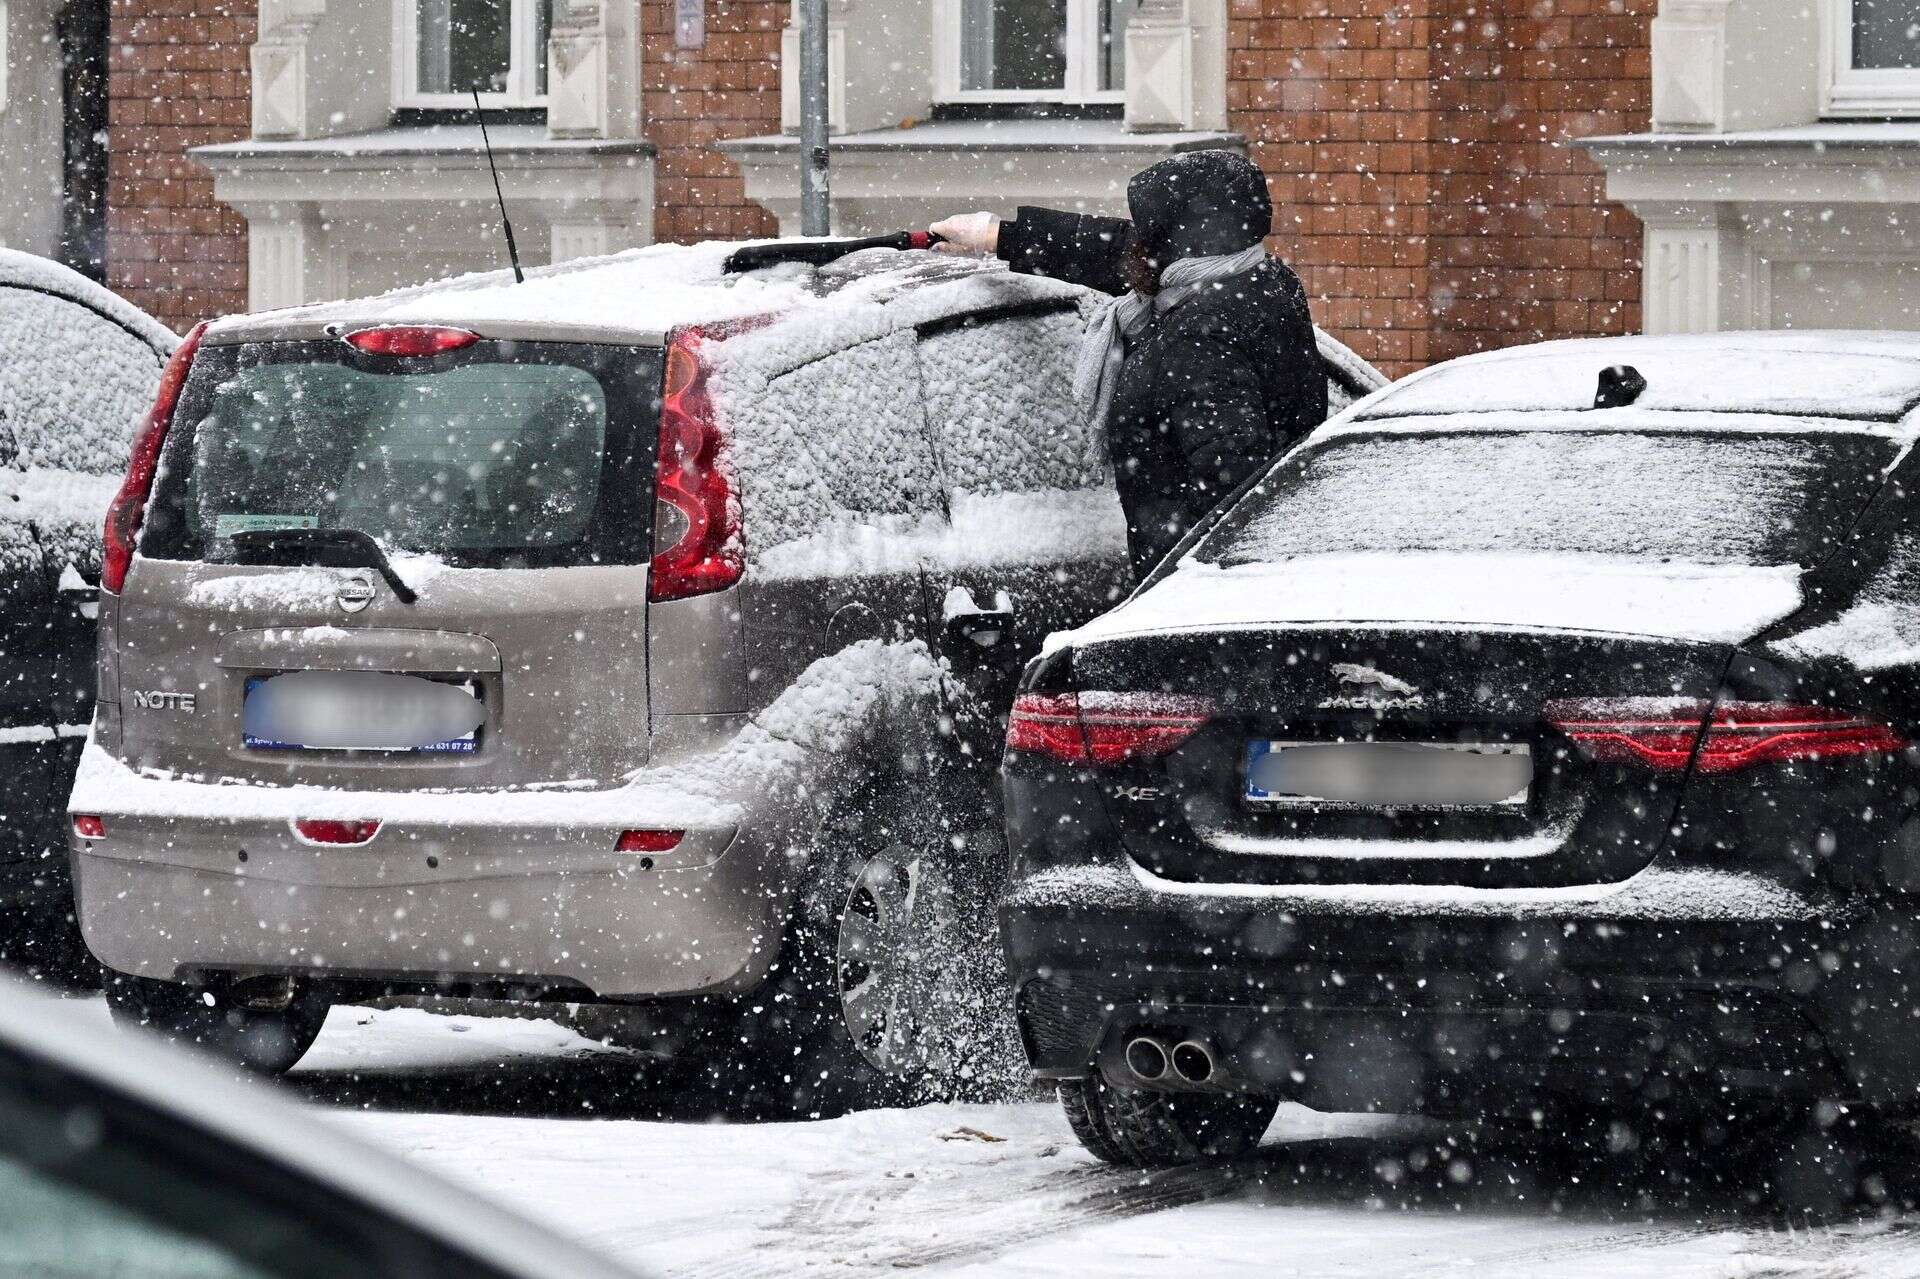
{"x":355,"y":593}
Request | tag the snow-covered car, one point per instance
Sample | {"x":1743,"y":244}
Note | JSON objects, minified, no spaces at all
{"x":636,"y":633}
{"x":1537,"y":736}
{"x":78,"y":366}
{"x":121,"y":1156}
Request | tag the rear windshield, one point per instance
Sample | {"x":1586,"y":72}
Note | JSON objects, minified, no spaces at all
{"x":499,"y":455}
{"x":1698,"y":498}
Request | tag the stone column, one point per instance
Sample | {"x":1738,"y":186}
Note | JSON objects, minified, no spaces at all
{"x":595,"y":232}
{"x":321,"y":67}
{"x":1682,"y":264}
{"x":288,"y":260}
{"x":1176,"y":65}
{"x":593,"y":71}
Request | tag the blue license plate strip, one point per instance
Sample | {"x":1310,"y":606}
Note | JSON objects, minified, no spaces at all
{"x":466,"y":745}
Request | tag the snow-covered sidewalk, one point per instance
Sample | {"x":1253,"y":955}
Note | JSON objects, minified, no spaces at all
{"x":1004,"y":1189}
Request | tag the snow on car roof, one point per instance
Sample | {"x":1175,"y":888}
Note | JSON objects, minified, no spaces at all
{"x":1838,"y":375}
{"x":648,"y":292}
{"x":43,"y":275}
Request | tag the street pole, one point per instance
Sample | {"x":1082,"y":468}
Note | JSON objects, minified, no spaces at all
{"x":815,"y":219}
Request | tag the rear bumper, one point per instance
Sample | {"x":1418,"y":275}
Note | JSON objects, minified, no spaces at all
{"x":453,"y":890}
{"x":563,"y":919}
{"x":1464,"y":1000}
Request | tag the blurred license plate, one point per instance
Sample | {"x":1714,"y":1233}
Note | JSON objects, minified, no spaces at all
{"x":460,"y":744}
{"x":1375,"y":775}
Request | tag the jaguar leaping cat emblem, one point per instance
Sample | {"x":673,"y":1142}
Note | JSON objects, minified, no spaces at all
{"x":1355,"y":673}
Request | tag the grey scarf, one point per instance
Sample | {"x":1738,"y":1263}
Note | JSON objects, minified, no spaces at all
{"x":1104,"y":346}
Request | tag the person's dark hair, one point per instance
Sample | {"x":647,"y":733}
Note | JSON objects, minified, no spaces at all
{"x":1199,"y":203}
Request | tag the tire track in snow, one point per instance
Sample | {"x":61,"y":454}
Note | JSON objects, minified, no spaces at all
{"x":1839,"y":1252}
{"x":1867,"y":1251}
{"x":824,"y":1229}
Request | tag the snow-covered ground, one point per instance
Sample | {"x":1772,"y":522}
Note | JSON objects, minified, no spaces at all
{"x":572,"y":1132}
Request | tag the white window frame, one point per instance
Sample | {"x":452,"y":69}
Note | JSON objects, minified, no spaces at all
{"x":1847,"y":90}
{"x":1082,"y":80}
{"x":521,"y":62}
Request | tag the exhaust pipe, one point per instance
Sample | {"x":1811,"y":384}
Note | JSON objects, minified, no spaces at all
{"x":1193,"y":1061}
{"x":1146,"y":1059}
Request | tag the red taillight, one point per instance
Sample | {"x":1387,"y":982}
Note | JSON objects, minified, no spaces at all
{"x":1660,"y":733}
{"x":324,"y":830}
{"x":694,"y":476}
{"x":648,"y":841}
{"x":129,"y":505}
{"x":410,"y":340}
{"x":87,"y":826}
{"x":1104,"y":728}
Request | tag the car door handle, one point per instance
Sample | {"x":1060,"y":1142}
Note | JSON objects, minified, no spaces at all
{"x":984,"y":628}
{"x":83,"y":595}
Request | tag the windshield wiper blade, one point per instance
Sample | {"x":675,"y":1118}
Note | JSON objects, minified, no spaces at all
{"x":322,"y":548}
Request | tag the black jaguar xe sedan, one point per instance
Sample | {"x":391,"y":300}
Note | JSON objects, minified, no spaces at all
{"x":1533,"y":739}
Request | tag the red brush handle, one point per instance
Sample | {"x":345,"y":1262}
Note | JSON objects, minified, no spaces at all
{"x":923,"y":239}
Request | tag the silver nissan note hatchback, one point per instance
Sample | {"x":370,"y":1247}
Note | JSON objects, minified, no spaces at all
{"x":639,"y":634}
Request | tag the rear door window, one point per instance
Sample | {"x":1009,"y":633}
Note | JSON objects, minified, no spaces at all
{"x":75,"y":383}
{"x":499,"y":455}
{"x":836,"y":472}
{"x":1001,"y":408}
{"x":1721,"y":497}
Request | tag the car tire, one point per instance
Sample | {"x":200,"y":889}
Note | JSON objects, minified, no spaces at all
{"x":265,"y":1039}
{"x":821,"y":1036}
{"x":1142,"y":1129}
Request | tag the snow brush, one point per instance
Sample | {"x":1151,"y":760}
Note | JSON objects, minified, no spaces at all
{"x":821,"y":252}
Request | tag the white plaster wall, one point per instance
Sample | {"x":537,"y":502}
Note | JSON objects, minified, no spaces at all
{"x":30,"y":140}
{"x":1772,"y":64}
{"x":1721,"y":65}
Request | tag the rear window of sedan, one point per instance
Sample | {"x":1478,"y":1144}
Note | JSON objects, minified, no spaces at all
{"x":1751,"y":499}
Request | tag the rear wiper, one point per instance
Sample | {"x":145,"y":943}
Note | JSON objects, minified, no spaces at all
{"x":322,"y":548}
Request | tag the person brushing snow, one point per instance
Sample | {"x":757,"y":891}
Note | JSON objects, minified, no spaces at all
{"x":1205,"y":365}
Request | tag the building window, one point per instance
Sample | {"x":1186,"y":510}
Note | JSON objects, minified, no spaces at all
{"x":1032,"y":50}
{"x":445,"y":49}
{"x":1870,"y":56}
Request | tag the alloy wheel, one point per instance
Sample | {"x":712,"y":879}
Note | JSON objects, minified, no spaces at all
{"x":894,"y":946}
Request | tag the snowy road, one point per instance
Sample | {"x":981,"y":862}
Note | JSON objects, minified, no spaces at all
{"x":536,"y":1116}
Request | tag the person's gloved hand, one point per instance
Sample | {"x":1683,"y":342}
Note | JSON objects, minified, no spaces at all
{"x":975,"y":233}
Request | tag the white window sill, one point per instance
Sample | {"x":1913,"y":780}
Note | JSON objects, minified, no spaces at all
{"x":1804,"y":163}
{"x":1079,"y":136}
{"x":884,"y":179}
{"x":422,"y":142}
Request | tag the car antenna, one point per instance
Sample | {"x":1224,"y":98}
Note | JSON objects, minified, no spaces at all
{"x":513,"y":253}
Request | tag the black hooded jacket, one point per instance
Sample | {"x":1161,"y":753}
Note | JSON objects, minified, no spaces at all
{"x":1217,"y":386}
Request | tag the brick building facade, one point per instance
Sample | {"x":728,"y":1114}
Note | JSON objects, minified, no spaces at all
{"x":1415,"y":153}
{"x":177,"y":78}
{"x":1414,"y":148}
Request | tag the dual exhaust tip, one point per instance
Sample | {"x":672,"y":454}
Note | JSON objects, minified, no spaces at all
{"x":1191,"y":1061}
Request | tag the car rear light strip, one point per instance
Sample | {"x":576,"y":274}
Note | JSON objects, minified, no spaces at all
{"x":410,"y":340}
{"x":1101,"y":728}
{"x":129,"y":505}
{"x":1660,"y":733}
{"x":323,"y":830}
{"x":89,"y":826}
{"x":649,"y":841}
{"x":694,"y":476}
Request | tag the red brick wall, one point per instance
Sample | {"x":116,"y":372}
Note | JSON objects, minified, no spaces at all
{"x":695,"y":97}
{"x":177,"y":78}
{"x":1412,"y":147}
